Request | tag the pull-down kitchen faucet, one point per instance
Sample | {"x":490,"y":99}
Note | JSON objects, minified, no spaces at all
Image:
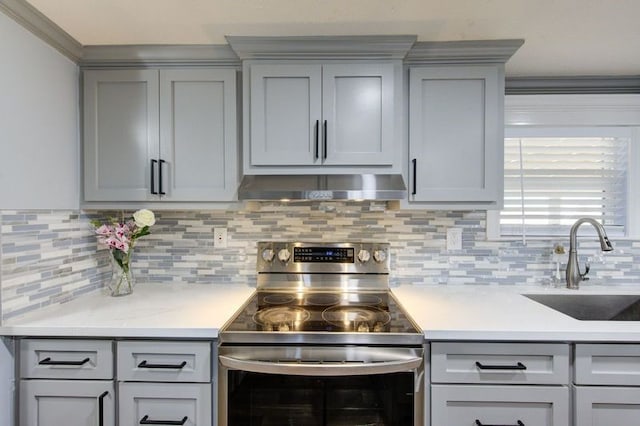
{"x":573,"y":268}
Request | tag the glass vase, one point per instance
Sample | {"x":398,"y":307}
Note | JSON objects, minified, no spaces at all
{"x":122,"y":279}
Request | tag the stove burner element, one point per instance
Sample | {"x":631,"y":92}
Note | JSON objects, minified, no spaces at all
{"x":278,"y":299}
{"x":281,"y":318}
{"x":361,"y":319}
{"x":322,"y":299}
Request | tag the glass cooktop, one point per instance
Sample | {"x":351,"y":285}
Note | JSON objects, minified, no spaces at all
{"x":325,"y":312}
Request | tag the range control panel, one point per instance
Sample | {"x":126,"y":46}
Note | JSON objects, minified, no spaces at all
{"x":323,"y":254}
{"x":299,"y":257}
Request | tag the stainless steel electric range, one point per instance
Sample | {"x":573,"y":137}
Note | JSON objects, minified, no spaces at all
{"x":322,"y":341}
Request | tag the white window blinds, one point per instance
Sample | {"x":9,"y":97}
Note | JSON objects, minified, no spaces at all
{"x":551,"y":181}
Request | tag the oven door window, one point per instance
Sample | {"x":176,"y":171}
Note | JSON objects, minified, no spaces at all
{"x":275,"y":400}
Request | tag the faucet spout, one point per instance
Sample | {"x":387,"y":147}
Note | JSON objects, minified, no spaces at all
{"x":573,"y":274}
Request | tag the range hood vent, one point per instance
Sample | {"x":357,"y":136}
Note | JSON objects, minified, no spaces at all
{"x":322,"y":187}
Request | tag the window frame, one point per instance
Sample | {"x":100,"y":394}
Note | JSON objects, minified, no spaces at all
{"x":529,"y":114}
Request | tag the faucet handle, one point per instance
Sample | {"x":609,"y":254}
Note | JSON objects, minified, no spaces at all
{"x":587,"y":268}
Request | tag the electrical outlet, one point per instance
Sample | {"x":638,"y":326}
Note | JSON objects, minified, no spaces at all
{"x":220,"y":237}
{"x":454,"y":239}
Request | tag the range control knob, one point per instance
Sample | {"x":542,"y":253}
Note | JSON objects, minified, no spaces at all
{"x":284,"y":255}
{"x":379,"y":256}
{"x":268,"y":255}
{"x":364,"y":256}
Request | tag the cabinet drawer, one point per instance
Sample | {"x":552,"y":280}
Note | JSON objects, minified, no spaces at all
{"x":151,"y":361}
{"x":164,"y":403}
{"x":508,"y":363}
{"x":499,"y":405}
{"x":607,"y":364}
{"x":66,"y":359}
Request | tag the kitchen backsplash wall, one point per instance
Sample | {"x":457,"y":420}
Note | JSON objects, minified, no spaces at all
{"x":52,"y":256}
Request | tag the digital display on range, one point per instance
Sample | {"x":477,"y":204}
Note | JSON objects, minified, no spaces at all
{"x":323,"y":254}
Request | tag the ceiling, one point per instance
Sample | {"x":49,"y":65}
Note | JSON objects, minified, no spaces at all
{"x":562,"y":37}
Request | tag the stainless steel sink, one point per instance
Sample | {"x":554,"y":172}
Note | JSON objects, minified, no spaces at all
{"x":591,"y":307}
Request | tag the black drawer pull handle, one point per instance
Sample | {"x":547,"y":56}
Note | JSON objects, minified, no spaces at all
{"x":324,"y":141}
{"x":479,"y":423}
{"x":145,"y":421}
{"x":518,"y":366}
{"x":49,"y":361}
{"x":144,"y":364}
{"x":101,"y":408}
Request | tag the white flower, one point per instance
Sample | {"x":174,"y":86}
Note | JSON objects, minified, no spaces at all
{"x":144,"y":218}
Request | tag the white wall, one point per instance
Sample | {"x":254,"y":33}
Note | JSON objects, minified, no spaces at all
{"x":39,"y":144}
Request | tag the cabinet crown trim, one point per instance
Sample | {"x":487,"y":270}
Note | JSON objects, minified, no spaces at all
{"x":322,"y":47}
{"x":468,"y":51}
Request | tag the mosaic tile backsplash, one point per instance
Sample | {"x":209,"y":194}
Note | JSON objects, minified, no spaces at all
{"x":50,"y":257}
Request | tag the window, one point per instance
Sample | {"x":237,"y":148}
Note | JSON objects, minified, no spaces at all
{"x":555,"y":176}
{"x":562,"y":163}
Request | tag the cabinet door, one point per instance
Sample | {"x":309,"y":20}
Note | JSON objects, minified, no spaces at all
{"x":358,"y":107}
{"x":606,"y":406}
{"x":285,"y":103}
{"x":120,"y":134}
{"x":186,"y":404}
{"x":455,"y":133}
{"x":458,"y":405}
{"x":66,"y":402}
{"x":198,"y":158}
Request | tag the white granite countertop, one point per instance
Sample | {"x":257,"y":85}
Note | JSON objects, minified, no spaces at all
{"x":153,"y":310}
{"x":445,"y":312}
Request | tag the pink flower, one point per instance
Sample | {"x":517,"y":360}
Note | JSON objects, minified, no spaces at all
{"x":117,"y":244}
{"x":122,"y":232}
{"x":104,"y":230}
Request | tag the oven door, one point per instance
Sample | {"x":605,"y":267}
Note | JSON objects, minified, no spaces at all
{"x":323,"y":386}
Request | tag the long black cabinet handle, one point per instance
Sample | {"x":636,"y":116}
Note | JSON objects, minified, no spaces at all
{"x":324,"y":140}
{"x":49,"y":361}
{"x":161,"y":192}
{"x":180,"y":366}
{"x":153,"y":177}
{"x":415,"y":178}
{"x":101,"y":408}
{"x":316,"y":146}
{"x":145,"y":421}
{"x":518,"y":366}
{"x":479,"y":423}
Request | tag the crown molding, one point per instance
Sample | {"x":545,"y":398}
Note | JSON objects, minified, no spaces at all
{"x":375,"y":47}
{"x":115,"y":56}
{"x":573,"y":85}
{"x":41,"y":26}
{"x":467,"y":51}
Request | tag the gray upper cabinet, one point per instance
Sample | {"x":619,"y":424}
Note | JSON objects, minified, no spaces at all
{"x":120,"y":134}
{"x":317,"y":115}
{"x":322,"y":104}
{"x":455,"y":133}
{"x":152,"y":135}
{"x":456,"y":124}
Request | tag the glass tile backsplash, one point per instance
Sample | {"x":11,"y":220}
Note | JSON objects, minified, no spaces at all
{"x":50,"y":257}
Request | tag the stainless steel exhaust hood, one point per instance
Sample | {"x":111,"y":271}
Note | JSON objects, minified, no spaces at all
{"x":322,"y":187}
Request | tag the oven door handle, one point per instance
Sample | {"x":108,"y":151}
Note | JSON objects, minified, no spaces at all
{"x":321,"y":369}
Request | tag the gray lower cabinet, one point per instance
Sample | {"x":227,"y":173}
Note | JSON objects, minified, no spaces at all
{"x":607,"y":384}
{"x":164,"y":382}
{"x":66,"y":402}
{"x":467,"y":405}
{"x":66,"y":382}
{"x":486,"y":383}
{"x":152,"y":135}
